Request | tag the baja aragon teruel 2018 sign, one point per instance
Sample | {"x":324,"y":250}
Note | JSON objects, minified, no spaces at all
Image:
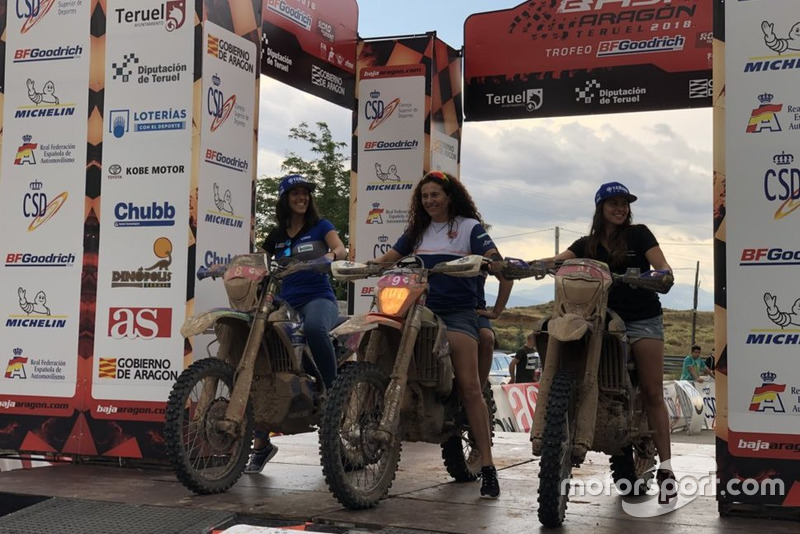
{"x":548,"y":58}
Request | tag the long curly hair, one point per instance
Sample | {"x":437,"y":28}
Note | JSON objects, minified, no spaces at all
{"x":461,"y":204}
{"x":617,"y":243}
{"x":283,"y":213}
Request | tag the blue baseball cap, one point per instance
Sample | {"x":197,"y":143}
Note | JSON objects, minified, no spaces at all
{"x":613,"y":189}
{"x":294,"y":180}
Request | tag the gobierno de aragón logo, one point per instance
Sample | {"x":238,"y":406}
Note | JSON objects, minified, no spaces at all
{"x":649,"y":500}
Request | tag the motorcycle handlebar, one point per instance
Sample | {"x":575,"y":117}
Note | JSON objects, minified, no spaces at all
{"x":212,"y":272}
{"x":660,"y":281}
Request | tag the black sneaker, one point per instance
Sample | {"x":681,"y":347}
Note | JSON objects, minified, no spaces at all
{"x":259,"y":458}
{"x":490,"y":487}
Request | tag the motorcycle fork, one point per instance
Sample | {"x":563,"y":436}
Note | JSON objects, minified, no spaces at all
{"x":243,"y":379}
{"x":390,"y":420}
{"x":587,"y":394}
{"x":586,"y":413}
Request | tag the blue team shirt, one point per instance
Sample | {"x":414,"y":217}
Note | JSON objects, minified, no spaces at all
{"x":448,"y":293}
{"x":301,"y":288}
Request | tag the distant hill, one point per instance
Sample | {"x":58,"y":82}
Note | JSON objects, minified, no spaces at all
{"x":680,"y":297}
{"x":516,"y":323}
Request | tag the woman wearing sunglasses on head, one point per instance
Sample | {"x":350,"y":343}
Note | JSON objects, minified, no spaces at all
{"x":443,"y":225}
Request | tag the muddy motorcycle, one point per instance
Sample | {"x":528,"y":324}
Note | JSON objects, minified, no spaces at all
{"x":588,"y":389}
{"x":401,"y":388}
{"x":262,"y":376}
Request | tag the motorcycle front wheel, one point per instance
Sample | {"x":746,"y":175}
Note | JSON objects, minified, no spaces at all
{"x":555,"y":468}
{"x":358,"y":467}
{"x":204,"y":459}
{"x":460,"y":453}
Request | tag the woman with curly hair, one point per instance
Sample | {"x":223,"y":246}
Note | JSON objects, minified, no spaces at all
{"x":443,"y":225}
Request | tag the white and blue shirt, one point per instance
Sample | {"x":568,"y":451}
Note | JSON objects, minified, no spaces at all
{"x":445,"y":243}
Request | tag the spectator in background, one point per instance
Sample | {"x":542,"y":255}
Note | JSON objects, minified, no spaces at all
{"x":525,"y":362}
{"x":694,"y":367}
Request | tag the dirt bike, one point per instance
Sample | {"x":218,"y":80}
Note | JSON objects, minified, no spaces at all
{"x":588,"y":389}
{"x":263,"y":376}
{"x":399,"y":389}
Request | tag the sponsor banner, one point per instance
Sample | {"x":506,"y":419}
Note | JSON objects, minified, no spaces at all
{"x":762,"y":193}
{"x":311,"y":45}
{"x":147,"y":130}
{"x":127,"y":411}
{"x":580,"y":57}
{"x":227,"y":167}
{"x":391,"y":150}
{"x":516,"y":404}
{"x":42,"y":187}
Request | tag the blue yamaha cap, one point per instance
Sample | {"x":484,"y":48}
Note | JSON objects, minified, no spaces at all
{"x":613,"y":189}
{"x":294,"y":180}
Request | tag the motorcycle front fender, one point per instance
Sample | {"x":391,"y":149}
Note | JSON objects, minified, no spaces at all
{"x":357,"y":323}
{"x":200,"y":323}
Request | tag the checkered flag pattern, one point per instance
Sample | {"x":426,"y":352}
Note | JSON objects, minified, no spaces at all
{"x":586,"y":94}
{"x":121,"y":69}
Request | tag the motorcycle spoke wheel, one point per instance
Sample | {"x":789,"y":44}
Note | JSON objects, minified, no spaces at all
{"x":359,"y":468}
{"x":555,"y":468}
{"x":460,"y":453}
{"x":204,"y":459}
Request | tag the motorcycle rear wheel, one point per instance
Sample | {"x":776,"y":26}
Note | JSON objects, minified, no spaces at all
{"x":460,"y":453}
{"x":555,"y":468}
{"x":204,"y":459}
{"x":358,"y":469}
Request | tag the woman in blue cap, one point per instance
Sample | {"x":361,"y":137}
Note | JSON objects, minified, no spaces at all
{"x":303,"y":235}
{"x":613,"y":239}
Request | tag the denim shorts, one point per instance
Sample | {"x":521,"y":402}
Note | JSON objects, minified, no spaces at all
{"x":483,"y":322}
{"x":464,"y":321}
{"x":652,"y":328}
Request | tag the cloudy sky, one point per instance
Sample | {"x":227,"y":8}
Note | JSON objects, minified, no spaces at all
{"x":530,"y":176}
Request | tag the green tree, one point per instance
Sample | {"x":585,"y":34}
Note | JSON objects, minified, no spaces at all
{"x":326,"y":169}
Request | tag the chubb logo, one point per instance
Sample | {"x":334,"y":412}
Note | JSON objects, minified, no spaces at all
{"x":128,"y":214}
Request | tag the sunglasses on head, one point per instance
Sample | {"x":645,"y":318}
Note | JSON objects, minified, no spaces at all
{"x":439,"y":175}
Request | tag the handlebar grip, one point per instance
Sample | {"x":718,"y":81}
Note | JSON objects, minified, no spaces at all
{"x":211,"y":272}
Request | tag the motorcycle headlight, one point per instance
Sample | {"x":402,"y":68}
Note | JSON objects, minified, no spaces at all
{"x":391,"y":300}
